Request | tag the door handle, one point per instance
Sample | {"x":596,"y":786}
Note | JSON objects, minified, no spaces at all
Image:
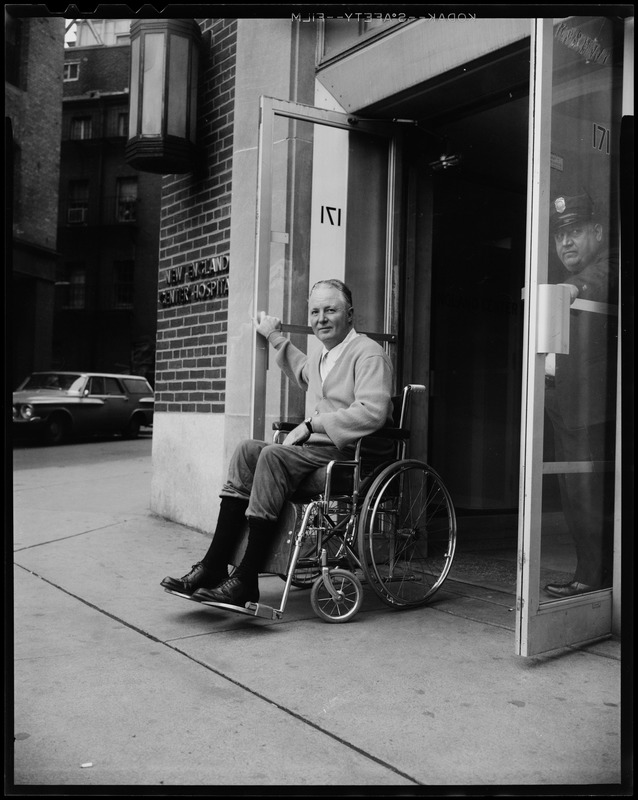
{"x":552,"y":322}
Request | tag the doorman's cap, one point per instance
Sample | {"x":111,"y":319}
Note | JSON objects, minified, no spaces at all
{"x":568,"y":210}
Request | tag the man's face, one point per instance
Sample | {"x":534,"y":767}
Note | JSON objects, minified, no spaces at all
{"x":330,"y":317}
{"x":577,"y":245}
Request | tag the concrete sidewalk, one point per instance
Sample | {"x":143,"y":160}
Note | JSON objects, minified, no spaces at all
{"x":118,"y":683}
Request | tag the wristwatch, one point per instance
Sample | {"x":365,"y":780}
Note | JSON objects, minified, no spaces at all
{"x":308,"y":424}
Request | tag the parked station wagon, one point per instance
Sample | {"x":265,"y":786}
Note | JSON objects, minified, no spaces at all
{"x":56,"y":406}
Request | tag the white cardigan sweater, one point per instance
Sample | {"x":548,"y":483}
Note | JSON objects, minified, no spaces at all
{"x":355,"y":399}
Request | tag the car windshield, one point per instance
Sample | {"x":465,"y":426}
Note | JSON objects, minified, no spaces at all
{"x":53,"y":380}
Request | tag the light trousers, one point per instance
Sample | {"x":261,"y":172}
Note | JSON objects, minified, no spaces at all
{"x":268,"y":474}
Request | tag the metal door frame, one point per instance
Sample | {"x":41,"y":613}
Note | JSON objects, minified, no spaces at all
{"x":269,"y":109}
{"x":541,"y":627}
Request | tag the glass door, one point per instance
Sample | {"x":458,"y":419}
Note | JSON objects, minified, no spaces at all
{"x":326,"y":200}
{"x":569,"y":459}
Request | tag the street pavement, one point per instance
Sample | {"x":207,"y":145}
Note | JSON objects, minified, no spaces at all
{"x":118,"y":684}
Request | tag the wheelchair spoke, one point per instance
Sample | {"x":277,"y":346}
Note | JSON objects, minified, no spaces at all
{"x":407,"y":534}
{"x":332,"y":530}
{"x":341,"y":601}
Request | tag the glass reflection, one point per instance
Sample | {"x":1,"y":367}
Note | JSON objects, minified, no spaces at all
{"x":580,"y":393}
{"x":152,"y":91}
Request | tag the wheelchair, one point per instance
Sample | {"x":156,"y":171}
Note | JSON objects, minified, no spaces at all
{"x":382,"y":520}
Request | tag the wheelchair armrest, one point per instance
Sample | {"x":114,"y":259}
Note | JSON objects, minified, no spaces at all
{"x":389,"y":433}
{"x":284,"y":426}
{"x":384,"y":433}
{"x":331,"y":468}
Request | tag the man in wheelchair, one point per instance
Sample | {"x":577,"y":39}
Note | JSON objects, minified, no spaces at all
{"x":350,"y":386}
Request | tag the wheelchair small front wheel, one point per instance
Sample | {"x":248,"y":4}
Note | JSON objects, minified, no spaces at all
{"x":348,"y":601}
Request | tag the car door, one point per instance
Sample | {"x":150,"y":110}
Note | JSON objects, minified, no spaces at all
{"x":90,"y":413}
{"x":104,"y":406}
{"x":117,"y":405}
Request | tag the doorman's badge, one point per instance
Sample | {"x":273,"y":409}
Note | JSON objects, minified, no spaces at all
{"x":559,"y":204}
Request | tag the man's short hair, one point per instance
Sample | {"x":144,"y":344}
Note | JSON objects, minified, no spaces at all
{"x":336,"y":284}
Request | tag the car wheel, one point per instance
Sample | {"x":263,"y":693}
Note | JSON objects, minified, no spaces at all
{"x":132,"y":430}
{"x":58,"y":430}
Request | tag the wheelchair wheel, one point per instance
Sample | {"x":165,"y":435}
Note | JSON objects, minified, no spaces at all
{"x":407,"y":534}
{"x":350,"y":596}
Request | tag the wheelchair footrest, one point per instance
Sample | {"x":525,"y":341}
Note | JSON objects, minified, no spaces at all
{"x":250,"y":609}
{"x":261,"y":610}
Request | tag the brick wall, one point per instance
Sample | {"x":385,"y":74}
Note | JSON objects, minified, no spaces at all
{"x":190,"y":371}
{"x":103,"y":68}
{"x":35,"y":109}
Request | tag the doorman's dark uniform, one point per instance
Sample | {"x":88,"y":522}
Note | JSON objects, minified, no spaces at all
{"x":581,"y":403}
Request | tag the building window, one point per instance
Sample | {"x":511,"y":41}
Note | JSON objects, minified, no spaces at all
{"x":122,"y":38}
{"x":71,"y":70}
{"x":81,"y":128}
{"x":78,"y":208}
{"x":126,"y":204}
{"x":123,"y":272}
{"x":75,"y":295}
{"x":122,"y":123}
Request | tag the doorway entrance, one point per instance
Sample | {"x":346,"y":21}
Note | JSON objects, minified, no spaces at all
{"x":476,"y":355}
{"x":466,"y":195}
{"x":471,"y":250}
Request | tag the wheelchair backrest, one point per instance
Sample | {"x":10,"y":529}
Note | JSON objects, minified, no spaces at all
{"x":376,"y":450}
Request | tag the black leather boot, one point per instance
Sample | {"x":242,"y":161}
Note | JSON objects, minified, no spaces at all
{"x":213,"y":568}
{"x":243,"y":586}
{"x":197,"y":578}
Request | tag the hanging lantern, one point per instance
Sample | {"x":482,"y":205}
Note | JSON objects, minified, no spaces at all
{"x":163,"y":95}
